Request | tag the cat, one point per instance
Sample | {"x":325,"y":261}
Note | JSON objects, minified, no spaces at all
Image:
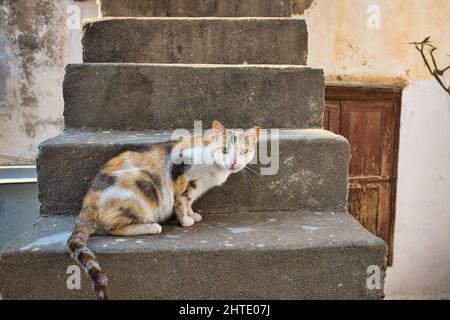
{"x":138,"y":190}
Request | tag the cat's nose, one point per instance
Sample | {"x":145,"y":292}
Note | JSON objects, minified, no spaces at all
{"x":233,"y":163}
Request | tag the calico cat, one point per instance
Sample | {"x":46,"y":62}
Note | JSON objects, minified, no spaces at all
{"x":136,"y":191}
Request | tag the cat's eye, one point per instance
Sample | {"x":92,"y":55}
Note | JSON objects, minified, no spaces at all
{"x":224,"y":150}
{"x":245,"y":151}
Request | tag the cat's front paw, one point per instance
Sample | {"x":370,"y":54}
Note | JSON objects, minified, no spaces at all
{"x":197,"y":216}
{"x":157,"y":228}
{"x":187,"y":221}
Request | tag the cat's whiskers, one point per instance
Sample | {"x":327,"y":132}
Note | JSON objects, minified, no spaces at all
{"x":251,"y":170}
{"x":249,"y":182}
{"x":249,"y":175}
{"x":244,"y":178}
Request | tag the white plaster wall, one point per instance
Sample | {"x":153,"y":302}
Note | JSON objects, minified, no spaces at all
{"x":421,"y":267}
{"x":352,"y":54}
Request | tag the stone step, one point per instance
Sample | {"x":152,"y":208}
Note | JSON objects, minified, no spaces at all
{"x":271,"y":255}
{"x":195,"y":8}
{"x":196,"y":40}
{"x":312,"y":172}
{"x":162,"y":97}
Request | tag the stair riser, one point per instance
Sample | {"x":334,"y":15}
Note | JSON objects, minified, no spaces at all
{"x":195,"y":40}
{"x":196,"y":8}
{"x":163,"y":97}
{"x":325,"y":273}
{"x":312,"y":174}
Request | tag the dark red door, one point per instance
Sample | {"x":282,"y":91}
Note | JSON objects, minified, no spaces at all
{"x":369,"y":119}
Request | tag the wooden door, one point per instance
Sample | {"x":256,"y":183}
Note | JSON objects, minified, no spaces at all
{"x":369,"y":119}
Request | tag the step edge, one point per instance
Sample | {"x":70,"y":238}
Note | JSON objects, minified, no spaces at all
{"x":72,"y":66}
{"x":286,"y":134}
{"x":120,"y":18}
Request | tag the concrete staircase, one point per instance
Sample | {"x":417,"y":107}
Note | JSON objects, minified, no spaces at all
{"x":287,"y":236}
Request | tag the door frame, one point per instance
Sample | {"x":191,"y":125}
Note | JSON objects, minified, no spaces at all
{"x":377,"y":93}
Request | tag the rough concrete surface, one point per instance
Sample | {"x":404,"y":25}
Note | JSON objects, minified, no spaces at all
{"x":312,"y":172}
{"x":196,"y":8}
{"x":196,"y":40}
{"x":289,"y":255}
{"x":162,"y":97}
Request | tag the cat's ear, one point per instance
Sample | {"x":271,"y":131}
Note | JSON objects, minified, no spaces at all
{"x":219,"y":127}
{"x":254,"y":133}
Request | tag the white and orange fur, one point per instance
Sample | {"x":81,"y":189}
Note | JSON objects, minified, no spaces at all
{"x":136,"y":191}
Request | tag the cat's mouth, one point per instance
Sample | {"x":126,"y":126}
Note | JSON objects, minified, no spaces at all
{"x":236,"y":169}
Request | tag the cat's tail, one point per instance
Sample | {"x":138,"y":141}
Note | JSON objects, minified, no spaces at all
{"x":85,"y":257}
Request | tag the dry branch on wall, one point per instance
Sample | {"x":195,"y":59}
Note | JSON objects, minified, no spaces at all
{"x":432,"y":66}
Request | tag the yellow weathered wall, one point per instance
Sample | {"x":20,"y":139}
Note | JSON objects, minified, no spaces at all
{"x":341,"y":43}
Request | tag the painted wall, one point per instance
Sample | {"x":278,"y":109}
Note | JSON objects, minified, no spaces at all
{"x":351,"y":53}
{"x":421,"y":255}
{"x":35,"y":45}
